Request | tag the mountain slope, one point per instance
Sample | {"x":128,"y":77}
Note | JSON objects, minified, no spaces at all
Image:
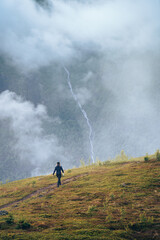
{"x":110,"y":201}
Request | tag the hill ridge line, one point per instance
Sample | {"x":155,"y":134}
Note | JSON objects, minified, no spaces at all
{"x":65,"y":181}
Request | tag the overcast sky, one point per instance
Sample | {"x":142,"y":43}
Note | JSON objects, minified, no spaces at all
{"x":112,"y":50}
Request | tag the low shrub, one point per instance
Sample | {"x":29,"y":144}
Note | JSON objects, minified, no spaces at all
{"x":10,"y":219}
{"x":33,"y":183}
{"x":146,"y":158}
{"x":82,"y":162}
{"x":22,"y":224}
{"x":112,"y":196}
{"x":123,"y":213}
{"x":144,"y":219}
{"x":144,"y":222}
{"x":109,"y":218}
{"x":92,"y":210}
{"x":158,"y":155}
{"x":99,"y":163}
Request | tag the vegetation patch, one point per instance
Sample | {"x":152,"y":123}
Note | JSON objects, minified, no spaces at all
{"x":118,"y":203}
{"x":23,"y":224}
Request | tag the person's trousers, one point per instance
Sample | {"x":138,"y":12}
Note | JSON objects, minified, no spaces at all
{"x":59,"y":181}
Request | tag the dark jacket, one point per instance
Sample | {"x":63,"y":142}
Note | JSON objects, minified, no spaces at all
{"x":58,"y":170}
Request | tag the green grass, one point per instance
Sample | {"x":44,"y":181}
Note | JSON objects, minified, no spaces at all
{"x":114,"y":201}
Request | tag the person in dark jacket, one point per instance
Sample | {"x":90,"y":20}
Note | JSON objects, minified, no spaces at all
{"x":58,"y":169}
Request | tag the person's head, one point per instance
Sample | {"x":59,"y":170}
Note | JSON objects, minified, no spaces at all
{"x":58,"y":163}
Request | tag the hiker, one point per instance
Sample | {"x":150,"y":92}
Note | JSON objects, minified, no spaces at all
{"x":58,"y":169}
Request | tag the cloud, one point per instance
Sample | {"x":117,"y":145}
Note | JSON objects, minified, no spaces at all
{"x":83,"y":95}
{"x":34,"y":37}
{"x":26,"y":123}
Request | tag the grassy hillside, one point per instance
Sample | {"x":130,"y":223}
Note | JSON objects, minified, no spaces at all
{"x":114,"y":201}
